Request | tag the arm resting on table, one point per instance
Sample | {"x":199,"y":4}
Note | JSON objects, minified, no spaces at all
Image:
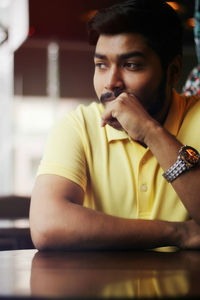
{"x":59,"y":221}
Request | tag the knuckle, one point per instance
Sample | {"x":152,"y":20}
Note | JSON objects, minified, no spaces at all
{"x":123,"y":95}
{"x":114,"y":114}
{"x":121,"y":101}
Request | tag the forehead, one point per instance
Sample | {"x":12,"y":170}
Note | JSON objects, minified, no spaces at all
{"x":122,"y":43}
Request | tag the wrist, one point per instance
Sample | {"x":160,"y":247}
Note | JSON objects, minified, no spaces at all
{"x":154,"y":129}
{"x":177,"y":234}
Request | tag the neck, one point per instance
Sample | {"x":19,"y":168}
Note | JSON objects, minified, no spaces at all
{"x":161,"y":117}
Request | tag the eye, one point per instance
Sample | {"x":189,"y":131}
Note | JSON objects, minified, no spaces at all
{"x":100,"y":65}
{"x":131,"y":65}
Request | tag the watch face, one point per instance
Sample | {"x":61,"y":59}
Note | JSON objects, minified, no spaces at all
{"x":190,"y":156}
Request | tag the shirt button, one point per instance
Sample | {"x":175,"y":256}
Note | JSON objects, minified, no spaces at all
{"x":143,"y":188}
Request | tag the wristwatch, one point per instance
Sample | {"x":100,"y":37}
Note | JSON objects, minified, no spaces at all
{"x":188,"y":158}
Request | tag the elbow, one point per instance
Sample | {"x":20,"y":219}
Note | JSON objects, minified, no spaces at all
{"x":42,"y":231}
{"x":46,"y":237}
{"x":49,"y":233}
{"x":43,"y":234}
{"x":40,"y":237}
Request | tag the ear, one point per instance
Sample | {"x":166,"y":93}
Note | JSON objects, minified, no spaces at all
{"x":174,"y":70}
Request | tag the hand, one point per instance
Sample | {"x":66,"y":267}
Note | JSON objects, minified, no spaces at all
{"x":127,"y":113}
{"x":189,"y":235}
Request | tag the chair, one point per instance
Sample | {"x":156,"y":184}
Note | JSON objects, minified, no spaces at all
{"x":14,"y":223}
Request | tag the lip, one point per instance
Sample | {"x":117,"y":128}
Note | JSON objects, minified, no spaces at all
{"x":107,"y":100}
{"x":108,"y":96}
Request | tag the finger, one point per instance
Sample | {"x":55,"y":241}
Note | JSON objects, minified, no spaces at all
{"x":109,"y":121}
{"x":106,"y":115}
{"x":103,"y":123}
{"x":126,"y":96}
{"x":112,"y":122}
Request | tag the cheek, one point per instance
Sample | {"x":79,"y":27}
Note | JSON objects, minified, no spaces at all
{"x":144,"y":84}
{"x":98,"y":84}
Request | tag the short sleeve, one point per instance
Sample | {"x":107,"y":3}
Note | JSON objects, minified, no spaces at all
{"x":64,"y":153}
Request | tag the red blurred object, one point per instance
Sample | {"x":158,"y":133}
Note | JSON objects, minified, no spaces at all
{"x":31,"y":31}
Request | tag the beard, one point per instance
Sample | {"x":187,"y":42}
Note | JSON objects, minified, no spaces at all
{"x":157,"y":108}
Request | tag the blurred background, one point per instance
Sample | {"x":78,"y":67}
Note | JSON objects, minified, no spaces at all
{"x":46,"y":70}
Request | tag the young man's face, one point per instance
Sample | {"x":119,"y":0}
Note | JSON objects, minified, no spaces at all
{"x":125,"y":63}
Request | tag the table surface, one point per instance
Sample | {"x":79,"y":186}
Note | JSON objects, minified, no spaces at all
{"x":127,"y":274}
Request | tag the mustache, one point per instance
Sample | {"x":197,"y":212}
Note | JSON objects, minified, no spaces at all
{"x":108,"y":95}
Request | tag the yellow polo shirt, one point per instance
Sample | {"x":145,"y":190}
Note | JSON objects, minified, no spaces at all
{"x":119,"y":176}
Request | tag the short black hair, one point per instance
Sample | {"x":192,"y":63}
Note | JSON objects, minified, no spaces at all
{"x":154,"y":19}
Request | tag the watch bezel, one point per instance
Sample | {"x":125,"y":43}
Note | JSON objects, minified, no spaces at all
{"x":190,"y":159}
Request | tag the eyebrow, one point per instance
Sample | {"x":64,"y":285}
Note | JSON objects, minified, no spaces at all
{"x":122,"y":56}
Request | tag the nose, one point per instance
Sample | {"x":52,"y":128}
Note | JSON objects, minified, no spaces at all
{"x":114,"y":79}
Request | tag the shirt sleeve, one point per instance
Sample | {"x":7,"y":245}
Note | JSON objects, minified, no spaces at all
{"x":64,"y":153}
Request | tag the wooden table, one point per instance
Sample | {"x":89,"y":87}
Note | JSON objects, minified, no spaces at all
{"x":78,"y":275}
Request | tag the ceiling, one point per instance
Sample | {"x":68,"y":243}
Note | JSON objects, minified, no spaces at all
{"x":65,"y":19}
{"x":62,"y":19}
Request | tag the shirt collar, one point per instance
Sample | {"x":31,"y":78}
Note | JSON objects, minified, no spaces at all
{"x":176,"y":113}
{"x":114,"y":134}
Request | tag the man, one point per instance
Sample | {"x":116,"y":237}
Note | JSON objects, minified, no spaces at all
{"x":112,"y":176}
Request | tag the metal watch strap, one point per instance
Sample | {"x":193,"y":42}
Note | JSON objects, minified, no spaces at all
{"x":175,"y":170}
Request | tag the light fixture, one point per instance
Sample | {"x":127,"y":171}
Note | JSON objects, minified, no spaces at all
{"x":180,"y":8}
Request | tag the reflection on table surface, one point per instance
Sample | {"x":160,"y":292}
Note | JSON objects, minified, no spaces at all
{"x":100,"y":274}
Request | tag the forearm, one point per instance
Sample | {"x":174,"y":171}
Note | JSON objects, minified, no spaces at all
{"x":71,"y":226}
{"x":166,"y":149}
